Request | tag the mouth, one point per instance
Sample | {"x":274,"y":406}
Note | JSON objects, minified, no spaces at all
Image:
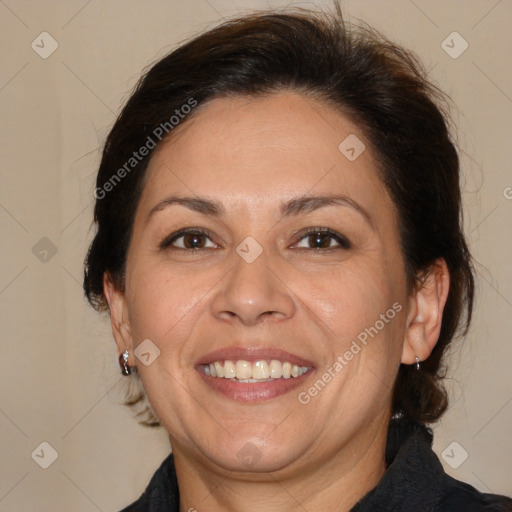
{"x":253,"y":375}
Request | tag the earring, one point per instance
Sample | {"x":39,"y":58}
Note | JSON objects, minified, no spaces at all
{"x":417,"y":364}
{"x":123,"y":363}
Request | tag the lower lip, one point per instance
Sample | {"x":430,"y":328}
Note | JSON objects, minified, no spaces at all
{"x":254,"y":392}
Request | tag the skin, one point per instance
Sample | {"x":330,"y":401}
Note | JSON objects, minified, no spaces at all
{"x":252,"y":154}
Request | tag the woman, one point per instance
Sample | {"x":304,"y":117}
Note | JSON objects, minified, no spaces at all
{"x":280,"y":249}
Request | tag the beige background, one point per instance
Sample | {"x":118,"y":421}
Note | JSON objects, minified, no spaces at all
{"x":59,"y":379}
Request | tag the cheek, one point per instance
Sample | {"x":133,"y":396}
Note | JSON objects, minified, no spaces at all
{"x":362,"y":308}
{"x":160,"y":300}
{"x":350,"y":298}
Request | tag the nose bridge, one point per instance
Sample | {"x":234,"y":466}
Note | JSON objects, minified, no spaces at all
{"x":252,"y":290}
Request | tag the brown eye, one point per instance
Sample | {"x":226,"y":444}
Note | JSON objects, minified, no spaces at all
{"x":323,"y":238}
{"x":187,"y":239}
{"x":193,"y":241}
{"x":319,"y":241}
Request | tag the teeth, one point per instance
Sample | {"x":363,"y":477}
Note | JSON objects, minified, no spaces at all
{"x":218,"y":369}
{"x":251,"y":380}
{"x":259,"y":371}
{"x":276,"y":369}
{"x":243,"y":370}
{"x":229,"y":370}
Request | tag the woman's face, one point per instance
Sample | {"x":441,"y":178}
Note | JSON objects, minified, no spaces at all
{"x":256,"y":285}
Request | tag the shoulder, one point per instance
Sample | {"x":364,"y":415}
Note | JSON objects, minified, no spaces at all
{"x":460,"y":496}
{"x":416,"y":480}
{"x":138,"y":506}
{"x":161,"y":494}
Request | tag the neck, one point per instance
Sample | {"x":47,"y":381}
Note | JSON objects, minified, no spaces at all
{"x":334,"y":483}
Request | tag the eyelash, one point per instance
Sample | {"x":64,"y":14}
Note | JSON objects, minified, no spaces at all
{"x":343,"y":242}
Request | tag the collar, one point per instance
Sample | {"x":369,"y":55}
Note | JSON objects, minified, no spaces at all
{"x":414,"y":478}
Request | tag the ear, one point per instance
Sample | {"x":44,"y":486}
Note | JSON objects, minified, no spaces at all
{"x":426,"y":313}
{"x":118,"y":316}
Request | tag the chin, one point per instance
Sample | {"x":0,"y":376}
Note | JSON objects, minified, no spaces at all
{"x":254,"y":457}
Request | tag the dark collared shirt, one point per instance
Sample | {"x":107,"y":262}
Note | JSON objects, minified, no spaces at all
{"x":413,"y":482}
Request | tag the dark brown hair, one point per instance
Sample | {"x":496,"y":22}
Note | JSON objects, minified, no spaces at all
{"x":377,"y":84}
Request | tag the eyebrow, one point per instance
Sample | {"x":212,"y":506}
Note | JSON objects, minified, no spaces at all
{"x":294,"y":206}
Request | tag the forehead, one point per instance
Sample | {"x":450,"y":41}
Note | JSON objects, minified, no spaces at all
{"x":250,"y":150}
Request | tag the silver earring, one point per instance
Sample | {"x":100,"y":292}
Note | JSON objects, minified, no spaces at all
{"x":418,"y":364}
{"x":123,"y":363}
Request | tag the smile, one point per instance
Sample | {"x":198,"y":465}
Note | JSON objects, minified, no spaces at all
{"x":257,"y":371}
{"x":253,"y":375}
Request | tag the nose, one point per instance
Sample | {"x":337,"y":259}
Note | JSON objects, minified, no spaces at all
{"x":252,"y":293}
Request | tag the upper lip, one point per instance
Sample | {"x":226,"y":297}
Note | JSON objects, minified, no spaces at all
{"x":252,"y":354}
